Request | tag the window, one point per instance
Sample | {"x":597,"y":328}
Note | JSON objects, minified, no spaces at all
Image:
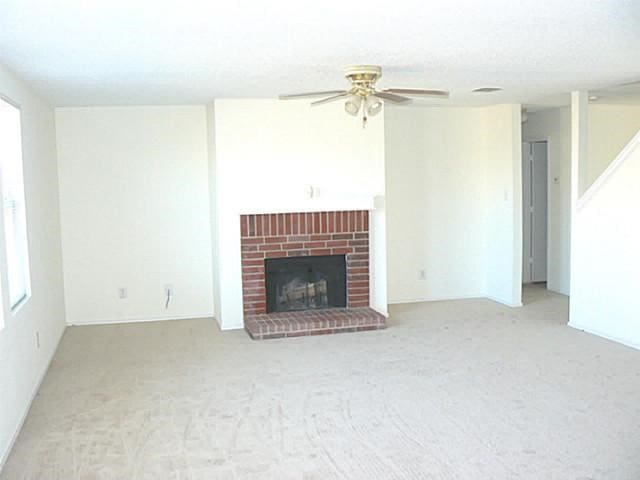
{"x":14,"y":215}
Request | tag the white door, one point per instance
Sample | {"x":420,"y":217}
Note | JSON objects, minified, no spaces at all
{"x":534,"y":215}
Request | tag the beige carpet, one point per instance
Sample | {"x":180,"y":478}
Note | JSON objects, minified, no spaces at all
{"x":451,"y":390}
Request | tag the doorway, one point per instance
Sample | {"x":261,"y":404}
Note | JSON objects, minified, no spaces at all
{"x":534,"y":214}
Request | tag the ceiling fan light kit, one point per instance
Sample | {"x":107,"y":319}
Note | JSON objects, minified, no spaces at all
{"x":363,"y":97}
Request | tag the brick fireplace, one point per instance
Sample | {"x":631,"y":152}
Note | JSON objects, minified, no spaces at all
{"x":280,"y":235}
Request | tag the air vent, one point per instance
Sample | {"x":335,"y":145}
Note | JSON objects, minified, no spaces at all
{"x":486,"y":89}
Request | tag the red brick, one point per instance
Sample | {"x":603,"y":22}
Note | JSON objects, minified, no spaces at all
{"x":251,"y":255}
{"x":294,"y":224}
{"x":275,"y":254}
{"x":278,"y":239}
{"x":320,"y":237}
{"x":252,"y":240}
{"x":270,"y":246}
{"x":298,"y":253}
{"x":338,"y":243}
{"x":358,"y":297}
{"x":361,"y":235}
{"x":315,"y":244}
{"x":342,"y":236}
{"x":326,"y":218}
{"x":365,"y":227}
{"x":253,"y":291}
{"x":249,"y":248}
{"x":357,"y":277}
{"x":358,"y":243}
{"x":320,"y":251}
{"x":344,"y":222}
{"x":255,"y":298}
{"x":273,"y":225}
{"x":361,"y":249}
{"x":360,"y":302}
{"x":340,"y":251}
{"x":357,"y":291}
{"x":252,"y":263}
{"x":251,"y":222}
{"x":292,"y":246}
{"x":244,"y":227}
{"x":359,"y":270}
{"x":358,"y":256}
{"x":281,"y":226}
{"x":298,"y":238}
{"x":246,"y":269}
{"x":253,"y":276}
{"x":356,"y":264}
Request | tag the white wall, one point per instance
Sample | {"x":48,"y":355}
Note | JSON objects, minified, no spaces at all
{"x":605,"y":280}
{"x":213,"y":208}
{"x":453,"y":203}
{"x":436,"y":203}
{"x":22,"y":363}
{"x":135,"y":212}
{"x":554,"y":126}
{"x":503,"y":143}
{"x":268,"y":152}
{"x":610,"y":128}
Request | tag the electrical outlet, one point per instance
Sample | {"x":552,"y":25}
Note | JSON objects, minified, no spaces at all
{"x":168,"y":290}
{"x":422,"y":274}
{"x":122,"y":292}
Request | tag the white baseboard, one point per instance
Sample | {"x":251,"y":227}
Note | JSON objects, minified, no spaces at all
{"x":437,"y":299}
{"x":508,"y":304}
{"x":16,"y":433}
{"x":460,"y":297}
{"x":605,"y":336}
{"x":231,"y":327}
{"x":382,"y":312}
{"x":109,"y":321}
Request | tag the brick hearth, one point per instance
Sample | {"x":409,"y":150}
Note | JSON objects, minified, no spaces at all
{"x":313,"y":322}
{"x":305,"y":234}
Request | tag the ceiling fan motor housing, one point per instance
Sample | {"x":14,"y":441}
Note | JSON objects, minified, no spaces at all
{"x":363,"y":78}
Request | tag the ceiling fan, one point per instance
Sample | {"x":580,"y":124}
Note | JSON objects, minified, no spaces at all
{"x":363,"y":95}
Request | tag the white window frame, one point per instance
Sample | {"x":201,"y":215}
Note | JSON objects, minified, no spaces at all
{"x":25,"y":258}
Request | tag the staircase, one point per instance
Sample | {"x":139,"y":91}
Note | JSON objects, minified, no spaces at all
{"x":605,"y":257}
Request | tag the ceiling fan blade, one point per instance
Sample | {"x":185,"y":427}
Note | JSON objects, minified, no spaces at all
{"x":418,"y":91}
{"x":309,"y":94}
{"x":330,"y":99}
{"x":391,"y":97}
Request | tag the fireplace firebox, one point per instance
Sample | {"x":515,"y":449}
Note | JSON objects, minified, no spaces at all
{"x":305,"y":283}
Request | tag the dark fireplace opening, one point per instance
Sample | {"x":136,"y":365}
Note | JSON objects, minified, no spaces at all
{"x":305,"y":283}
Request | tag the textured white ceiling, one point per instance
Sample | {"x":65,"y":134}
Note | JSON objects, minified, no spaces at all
{"x":95,"y":52}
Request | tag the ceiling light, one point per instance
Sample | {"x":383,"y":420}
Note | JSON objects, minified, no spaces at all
{"x":352,"y":106}
{"x":593,"y":98}
{"x":374,"y":106}
{"x":486,"y":89}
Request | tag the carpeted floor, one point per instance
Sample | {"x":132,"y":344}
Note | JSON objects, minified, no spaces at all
{"x":451,"y":390}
